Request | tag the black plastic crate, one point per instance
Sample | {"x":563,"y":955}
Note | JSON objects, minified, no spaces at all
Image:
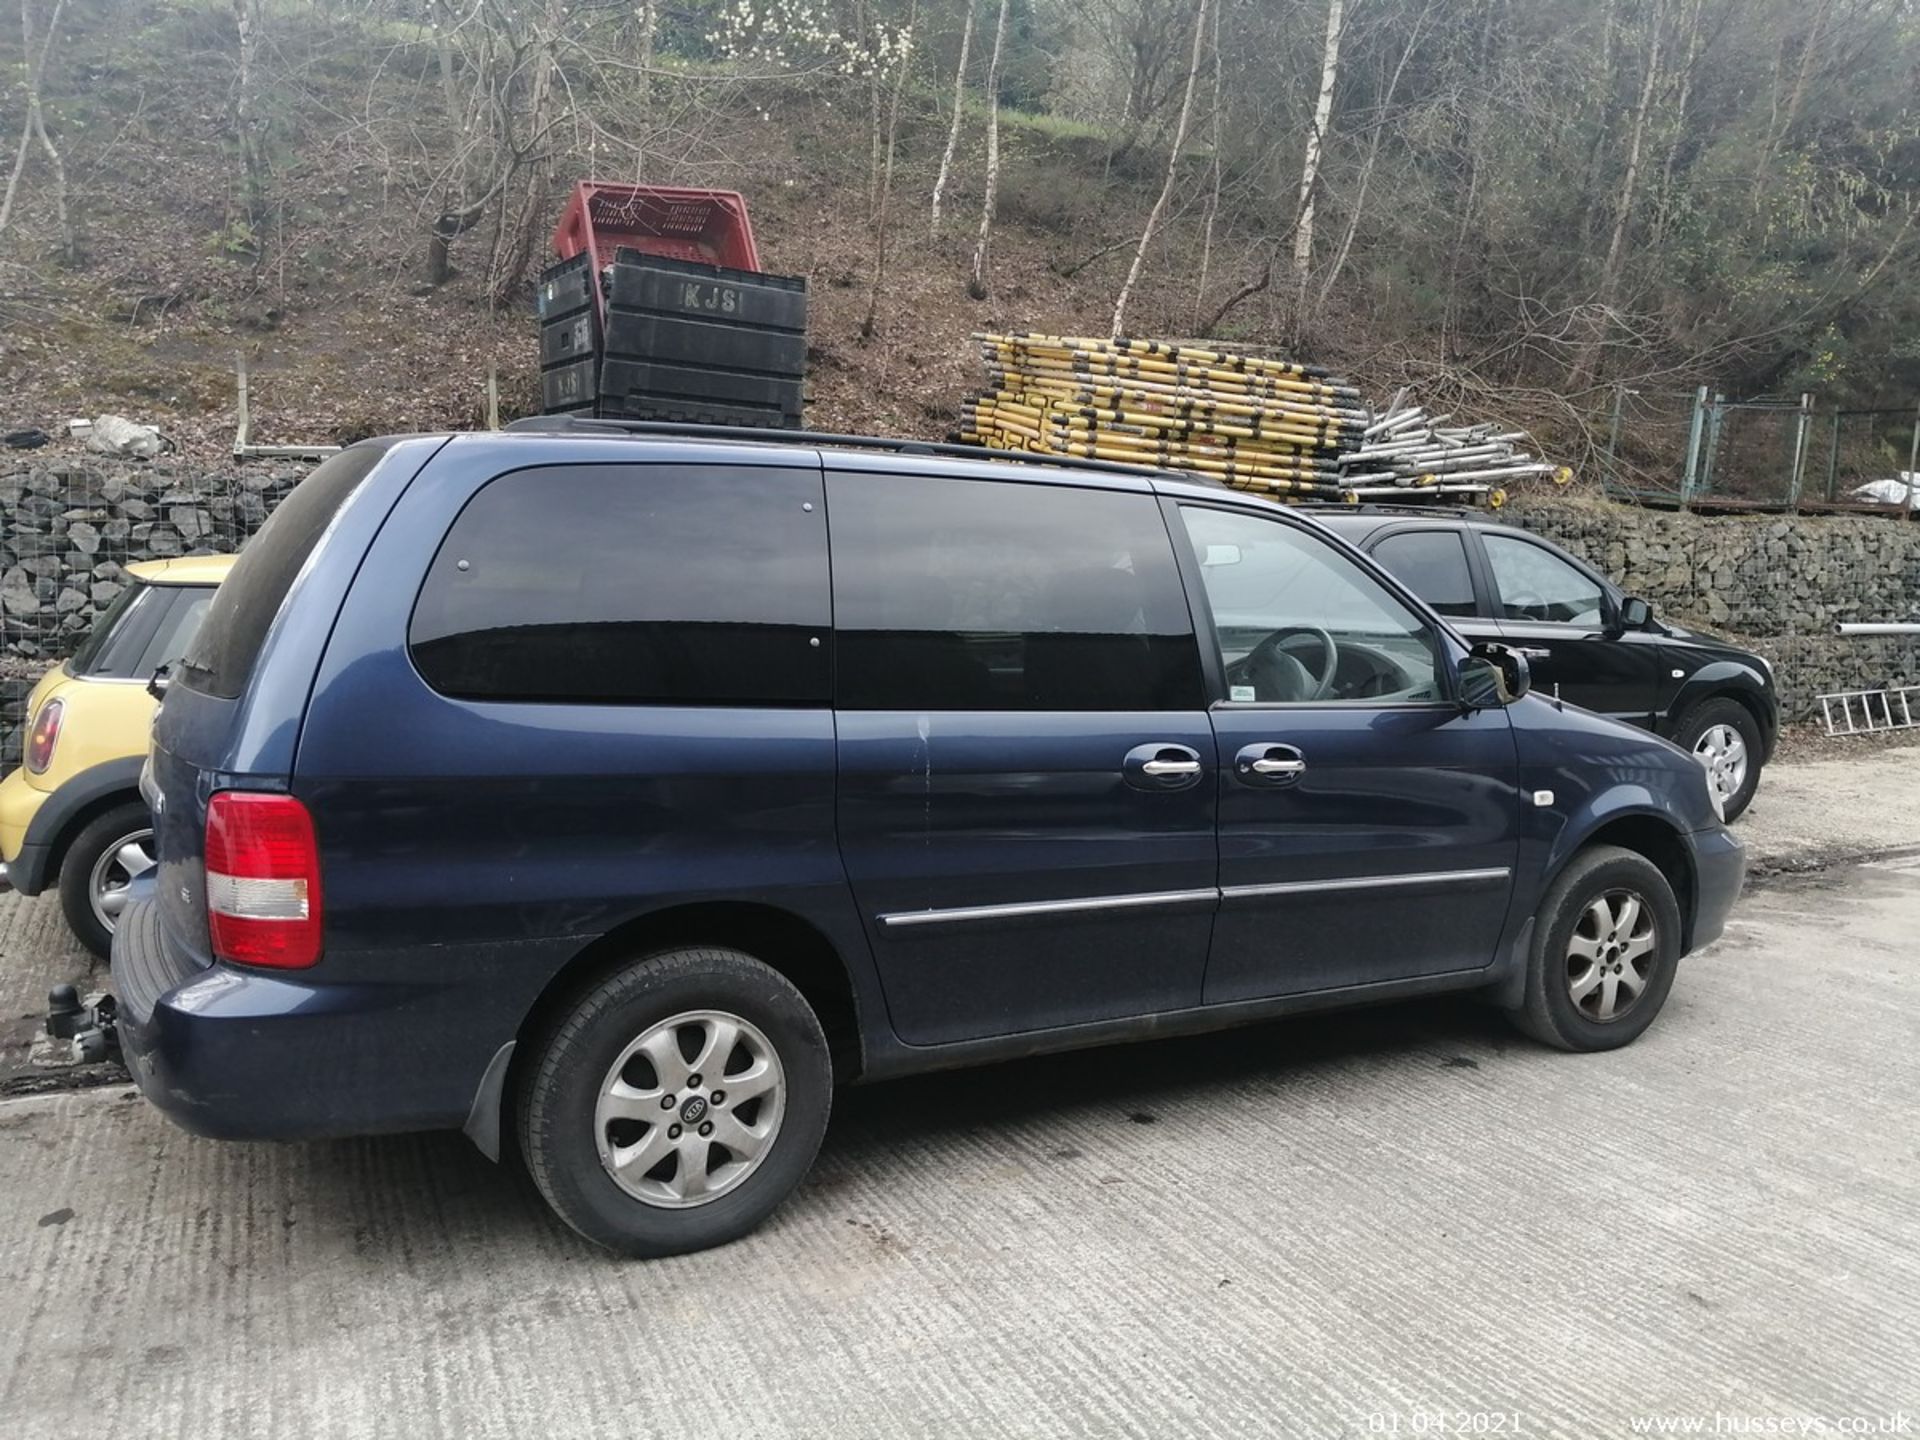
{"x":655,"y":285}
{"x":564,"y":289}
{"x":640,"y":388}
{"x":570,"y":387}
{"x":705,"y":345}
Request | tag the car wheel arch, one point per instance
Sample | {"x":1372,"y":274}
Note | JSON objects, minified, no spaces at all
{"x":781,"y":939}
{"x":1656,"y":839}
{"x":73,"y":824}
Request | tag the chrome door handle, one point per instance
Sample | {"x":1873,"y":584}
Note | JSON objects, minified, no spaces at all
{"x":1170,"y":767}
{"x":1532,"y":654}
{"x":1278,"y":767}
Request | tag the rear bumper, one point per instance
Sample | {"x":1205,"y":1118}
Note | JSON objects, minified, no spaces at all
{"x":1719,"y":871}
{"x":240,"y":1054}
{"x":26,"y":862}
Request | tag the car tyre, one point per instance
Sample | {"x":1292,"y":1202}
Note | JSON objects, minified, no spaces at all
{"x":589,"y":1129}
{"x":94,"y":851}
{"x":1606,"y":945}
{"x":1721,"y":733}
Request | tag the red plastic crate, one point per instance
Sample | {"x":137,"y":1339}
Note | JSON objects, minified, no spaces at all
{"x":705,"y":226}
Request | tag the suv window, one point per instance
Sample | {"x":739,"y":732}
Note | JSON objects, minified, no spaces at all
{"x":1432,"y":564}
{"x":630,"y":584}
{"x":1279,"y":595}
{"x":220,"y":659}
{"x":1533,"y":583}
{"x":954,"y":594}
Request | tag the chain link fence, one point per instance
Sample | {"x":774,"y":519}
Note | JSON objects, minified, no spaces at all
{"x":1702,"y":450}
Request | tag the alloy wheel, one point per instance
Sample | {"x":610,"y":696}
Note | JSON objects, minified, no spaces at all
{"x":110,"y":885}
{"x":1611,"y":954}
{"x":690,"y":1109}
{"x":1721,"y":749}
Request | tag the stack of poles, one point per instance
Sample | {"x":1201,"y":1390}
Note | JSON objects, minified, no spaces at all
{"x":1406,"y":447}
{"x":1265,"y":425}
{"x":1293,"y":431}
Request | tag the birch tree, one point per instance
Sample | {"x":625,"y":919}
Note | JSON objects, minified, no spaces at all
{"x":1623,"y":207}
{"x":1310,"y":166}
{"x":1173,"y":167}
{"x":953,"y":130}
{"x":977,"y":283}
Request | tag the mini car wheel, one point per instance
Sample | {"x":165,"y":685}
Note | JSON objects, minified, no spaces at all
{"x":677,"y":1102}
{"x":1722,"y":735}
{"x":99,"y":868}
{"x":1606,"y":944}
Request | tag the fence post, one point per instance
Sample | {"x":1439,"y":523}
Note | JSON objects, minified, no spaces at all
{"x":1710,"y":459}
{"x":1612,"y":472}
{"x":1799,"y":451}
{"x":1913,"y":461}
{"x":1833,"y":459}
{"x":1693,"y":445}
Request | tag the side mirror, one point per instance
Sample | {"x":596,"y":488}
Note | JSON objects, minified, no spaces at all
{"x":1492,"y":676}
{"x":1635,"y":613}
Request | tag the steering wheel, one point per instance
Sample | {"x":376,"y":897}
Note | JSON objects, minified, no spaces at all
{"x":1530,"y":604}
{"x":1276,"y":670}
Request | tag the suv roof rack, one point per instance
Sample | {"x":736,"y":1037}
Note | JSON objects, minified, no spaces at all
{"x":1400,"y":507}
{"x":587,"y":425}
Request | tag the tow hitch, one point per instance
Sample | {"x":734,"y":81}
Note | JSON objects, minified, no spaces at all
{"x":88,"y":1028}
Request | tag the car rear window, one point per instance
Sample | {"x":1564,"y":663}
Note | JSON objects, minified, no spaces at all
{"x":220,"y":659}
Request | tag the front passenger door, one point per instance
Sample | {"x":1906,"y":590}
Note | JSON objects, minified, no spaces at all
{"x":1368,"y":823}
{"x":1562,"y":619}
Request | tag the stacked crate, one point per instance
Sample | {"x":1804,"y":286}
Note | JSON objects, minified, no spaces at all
{"x":660,"y":312}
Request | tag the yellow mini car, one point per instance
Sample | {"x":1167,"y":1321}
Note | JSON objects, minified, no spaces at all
{"x":72,"y":815}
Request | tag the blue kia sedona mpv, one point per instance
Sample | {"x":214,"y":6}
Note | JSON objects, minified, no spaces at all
{"x":613,"y":792}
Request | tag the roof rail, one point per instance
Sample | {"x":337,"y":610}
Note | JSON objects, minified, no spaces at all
{"x":588,"y":425}
{"x":1399,"y":507}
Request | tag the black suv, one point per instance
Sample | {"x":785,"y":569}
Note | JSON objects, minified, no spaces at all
{"x":1587,"y":641}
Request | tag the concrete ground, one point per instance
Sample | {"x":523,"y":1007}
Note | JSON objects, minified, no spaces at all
{"x":1388,"y":1222}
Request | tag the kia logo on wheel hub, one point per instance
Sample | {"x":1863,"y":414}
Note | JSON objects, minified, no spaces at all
{"x":693,"y":1110}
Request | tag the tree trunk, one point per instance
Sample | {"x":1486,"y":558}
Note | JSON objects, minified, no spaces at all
{"x":253,"y":177}
{"x":1213,"y":194}
{"x":31,"y":127}
{"x":1623,"y":209}
{"x":953,"y":130}
{"x":1310,"y":168}
{"x":1359,"y":206}
{"x":870,"y":321}
{"x":1173,"y":166}
{"x":1664,"y":204}
{"x":977,"y":283}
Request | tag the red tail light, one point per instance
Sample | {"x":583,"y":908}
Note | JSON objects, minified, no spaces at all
{"x":263,"y":880}
{"x":45,"y":733}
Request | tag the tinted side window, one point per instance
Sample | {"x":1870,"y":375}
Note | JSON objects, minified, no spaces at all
{"x":627,"y":584}
{"x":1533,"y":583}
{"x":221,"y":657}
{"x":1432,"y":564}
{"x":954,"y":594}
